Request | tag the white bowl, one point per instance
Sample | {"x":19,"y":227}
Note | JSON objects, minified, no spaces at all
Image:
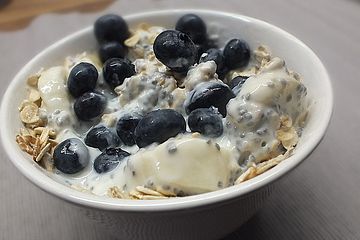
{"x":205,"y":216}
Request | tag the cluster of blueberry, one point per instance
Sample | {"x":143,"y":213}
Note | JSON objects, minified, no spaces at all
{"x":181,"y":48}
{"x":177,"y":49}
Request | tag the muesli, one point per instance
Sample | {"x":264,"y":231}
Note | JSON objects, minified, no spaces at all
{"x":159,"y":113}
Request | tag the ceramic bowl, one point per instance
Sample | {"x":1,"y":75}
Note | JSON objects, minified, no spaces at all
{"x":205,"y":216}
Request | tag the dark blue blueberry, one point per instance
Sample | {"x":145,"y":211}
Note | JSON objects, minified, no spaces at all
{"x":111,"y":27}
{"x":111,"y":50}
{"x":158,"y":126}
{"x":101,"y":137}
{"x":175,"y":50}
{"x":193,"y":26}
{"x":209,"y":94}
{"x":203,"y":47}
{"x":206,"y":121}
{"x":236,"y":53}
{"x":125,"y":128}
{"x":236,"y":83}
{"x":215,"y":55}
{"x":109,"y":159}
{"x":89,"y":105}
{"x":222,"y":72}
{"x":82,"y":78}
{"x":71,"y":156}
{"x":115,"y":71}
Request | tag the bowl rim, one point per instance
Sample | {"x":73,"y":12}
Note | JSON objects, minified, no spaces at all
{"x":84,"y":199}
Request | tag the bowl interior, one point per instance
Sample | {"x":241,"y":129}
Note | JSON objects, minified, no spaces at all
{"x":298,"y":57}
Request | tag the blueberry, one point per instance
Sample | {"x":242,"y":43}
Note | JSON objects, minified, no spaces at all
{"x":101,"y":137}
{"x":125,"y":129}
{"x":208,"y":94}
{"x":236,"y":83}
{"x":236,"y":53}
{"x":109,"y":159}
{"x":89,"y":105}
{"x":115,"y":71}
{"x":71,"y":156}
{"x":193,"y":26}
{"x":203,"y":47}
{"x":111,"y":50}
{"x":110,"y":28}
{"x":215,"y":55}
{"x":222,"y":72}
{"x":175,"y":50}
{"x":82,"y":78}
{"x":158,"y":126}
{"x":206,"y":121}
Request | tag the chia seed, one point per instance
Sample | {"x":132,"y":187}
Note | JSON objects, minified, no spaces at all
{"x":181,"y":194}
{"x":248,"y":116}
{"x":220,"y":184}
{"x":217,"y":146}
{"x":149,"y":184}
{"x":299,"y":131}
{"x":162,"y":95}
{"x":242,"y":111}
{"x":288,"y":98}
{"x":270,"y":84}
{"x":141,"y":87}
{"x":172,"y":149}
{"x":249,"y":124}
{"x":269,"y":112}
{"x":171,"y":99}
{"x":261,"y":131}
{"x":251,"y":158}
{"x":133,"y":173}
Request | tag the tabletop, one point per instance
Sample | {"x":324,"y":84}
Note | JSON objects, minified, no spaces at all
{"x":318,"y":200}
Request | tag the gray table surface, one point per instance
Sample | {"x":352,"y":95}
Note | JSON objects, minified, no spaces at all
{"x":319,"y":200}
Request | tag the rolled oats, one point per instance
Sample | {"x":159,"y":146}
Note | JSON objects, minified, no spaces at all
{"x":249,"y":173}
{"x":147,"y":191}
{"x":42,"y":152}
{"x":29,"y":114}
{"x":33,"y":79}
{"x":34,"y":96}
{"x":47,"y":162}
{"x":115,"y":192}
{"x":51,"y":132}
{"x":133,"y":40}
